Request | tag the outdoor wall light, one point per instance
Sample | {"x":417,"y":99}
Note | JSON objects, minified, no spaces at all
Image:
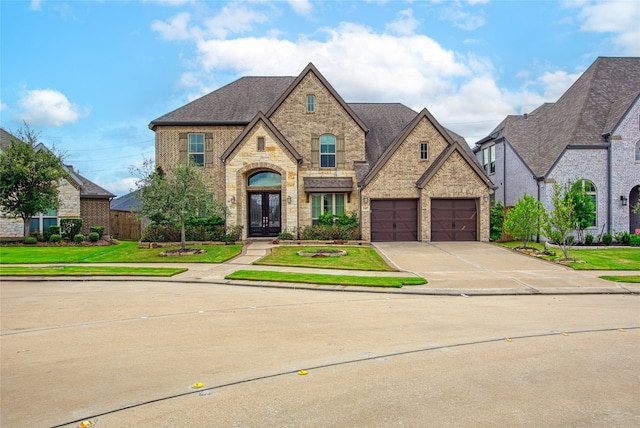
{"x":288,"y":199}
{"x":623,"y":201}
{"x":365,"y":200}
{"x":232,"y":200}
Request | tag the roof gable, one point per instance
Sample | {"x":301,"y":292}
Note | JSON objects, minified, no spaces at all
{"x":312,"y":69}
{"x":260,"y":117}
{"x":443,"y":157}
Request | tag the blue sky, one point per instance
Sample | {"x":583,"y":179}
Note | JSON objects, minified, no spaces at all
{"x":91,"y":75}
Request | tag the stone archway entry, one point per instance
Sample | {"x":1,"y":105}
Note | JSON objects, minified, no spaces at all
{"x":264,"y":201}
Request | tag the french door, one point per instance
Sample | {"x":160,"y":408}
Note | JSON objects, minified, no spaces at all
{"x":264,"y":214}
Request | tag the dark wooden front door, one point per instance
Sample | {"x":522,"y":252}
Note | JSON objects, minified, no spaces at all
{"x":394,"y":220}
{"x":453,"y":220}
{"x":264,"y":214}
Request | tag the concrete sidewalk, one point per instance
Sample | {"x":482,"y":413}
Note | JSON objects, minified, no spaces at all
{"x":451,"y":268}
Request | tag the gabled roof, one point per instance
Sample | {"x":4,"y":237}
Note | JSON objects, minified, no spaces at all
{"x":591,"y":107}
{"x":126,"y":202}
{"x":312,"y":69}
{"x":402,"y":134}
{"x":442,"y":158}
{"x":260,"y":117}
{"x":88,"y":189}
{"x":234,"y":104}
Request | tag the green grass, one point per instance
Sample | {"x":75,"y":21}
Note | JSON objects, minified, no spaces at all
{"x":88,"y":271}
{"x":357,"y":258}
{"x":323,"y":279}
{"x":605,"y":259}
{"x":125,"y":252}
{"x":632,"y":279}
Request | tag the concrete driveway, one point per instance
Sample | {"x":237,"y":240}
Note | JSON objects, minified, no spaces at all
{"x":478,"y":267}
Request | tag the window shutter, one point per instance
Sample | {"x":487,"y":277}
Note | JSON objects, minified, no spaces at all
{"x":208,"y":149}
{"x":340,"y":151}
{"x":315,"y":150}
{"x":183,"y":147}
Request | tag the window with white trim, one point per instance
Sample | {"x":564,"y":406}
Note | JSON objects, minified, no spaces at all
{"x":196,"y":148}
{"x":327,"y":151}
{"x":588,"y":188}
{"x":489,"y":159}
{"x":322,"y":203}
{"x":41,"y":222}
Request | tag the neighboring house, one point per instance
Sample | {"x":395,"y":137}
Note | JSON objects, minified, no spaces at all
{"x":79,"y":198}
{"x":591,"y":134}
{"x":281,"y":151}
{"x":123,"y":221}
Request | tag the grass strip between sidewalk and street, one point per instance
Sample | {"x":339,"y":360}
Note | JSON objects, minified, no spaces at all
{"x":88,"y":271}
{"x":326,"y":279}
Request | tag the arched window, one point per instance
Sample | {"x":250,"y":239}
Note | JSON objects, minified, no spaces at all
{"x":638,"y":151}
{"x":265,"y":179}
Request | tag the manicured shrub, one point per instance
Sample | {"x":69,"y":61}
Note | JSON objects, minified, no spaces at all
{"x":286,"y":236}
{"x":70,"y":227}
{"x":55,"y":238}
{"x":496,"y":221}
{"x":634,"y":240}
{"x":623,"y":237}
{"x":607,"y":238}
{"x":588,"y":240}
{"x":99,"y":230}
{"x":78,"y":238}
{"x":55,"y":230}
{"x":94,"y":237}
{"x":234,"y":234}
{"x":30,"y":240}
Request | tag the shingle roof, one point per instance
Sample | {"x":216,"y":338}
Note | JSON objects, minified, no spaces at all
{"x":126,"y":202}
{"x":591,"y":107}
{"x":89,"y":189}
{"x":238,"y":102}
{"x":5,"y":138}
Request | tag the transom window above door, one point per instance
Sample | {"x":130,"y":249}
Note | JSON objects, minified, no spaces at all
{"x":265,"y":179}
{"x":196,"y":148}
{"x":327,"y":151}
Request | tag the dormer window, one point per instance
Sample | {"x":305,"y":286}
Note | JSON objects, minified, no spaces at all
{"x":311,"y":103}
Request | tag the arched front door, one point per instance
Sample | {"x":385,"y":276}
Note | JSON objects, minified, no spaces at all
{"x":264,"y":204}
{"x":634,"y":219}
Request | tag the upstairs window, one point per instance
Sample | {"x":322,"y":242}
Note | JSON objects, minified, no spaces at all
{"x":489,"y":159}
{"x":327,"y":151}
{"x":261,"y":144}
{"x":311,"y":103}
{"x":196,"y":148}
{"x":424,"y":151}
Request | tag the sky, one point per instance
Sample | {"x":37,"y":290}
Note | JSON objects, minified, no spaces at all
{"x":89,"y":76}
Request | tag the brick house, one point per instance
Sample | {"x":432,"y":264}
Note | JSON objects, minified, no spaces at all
{"x":79,"y":198}
{"x":280,"y":151}
{"x":591,"y":134}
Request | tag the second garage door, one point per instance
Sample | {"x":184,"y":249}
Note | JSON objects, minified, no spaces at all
{"x":394,"y":220}
{"x":453,"y":220}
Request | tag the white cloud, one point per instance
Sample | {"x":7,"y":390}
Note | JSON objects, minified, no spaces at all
{"x":3,"y":106}
{"x":48,"y":107}
{"x":461,"y":19}
{"x":555,"y":84}
{"x":35,"y":5}
{"x":176,"y":29}
{"x":621,"y":18}
{"x":301,"y":7}
{"x":120,"y":187}
{"x":405,"y":24}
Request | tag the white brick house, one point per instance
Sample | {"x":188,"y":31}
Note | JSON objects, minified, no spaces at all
{"x":592,"y":133}
{"x":280,"y":151}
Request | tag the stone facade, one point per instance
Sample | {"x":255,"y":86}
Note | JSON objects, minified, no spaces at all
{"x":287,"y":132}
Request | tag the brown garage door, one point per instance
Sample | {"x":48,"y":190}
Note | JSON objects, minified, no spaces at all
{"x":394,"y":220}
{"x":453,"y":220}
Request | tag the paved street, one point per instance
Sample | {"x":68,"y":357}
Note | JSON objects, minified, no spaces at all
{"x":127,"y":353}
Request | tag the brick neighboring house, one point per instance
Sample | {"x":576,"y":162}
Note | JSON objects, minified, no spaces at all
{"x":592,"y":134}
{"x":79,"y":198}
{"x":280,"y":151}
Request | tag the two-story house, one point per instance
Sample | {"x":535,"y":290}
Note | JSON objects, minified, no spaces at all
{"x":281,"y":151}
{"x":591,"y":134}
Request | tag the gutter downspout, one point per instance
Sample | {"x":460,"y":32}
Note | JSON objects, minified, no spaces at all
{"x":609,"y":184}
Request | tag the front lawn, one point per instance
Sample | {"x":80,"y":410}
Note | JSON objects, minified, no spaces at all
{"x":125,"y":252}
{"x":324,"y":279}
{"x":357,"y":258}
{"x":604,"y":259}
{"x":88,"y":271}
{"x":634,"y":279}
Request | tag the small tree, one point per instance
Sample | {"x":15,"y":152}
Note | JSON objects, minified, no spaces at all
{"x":174,"y":196}
{"x":30,"y":176}
{"x":523,"y":220}
{"x":558,"y":225}
{"x":496,"y":220}
{"x":583,"y":207}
